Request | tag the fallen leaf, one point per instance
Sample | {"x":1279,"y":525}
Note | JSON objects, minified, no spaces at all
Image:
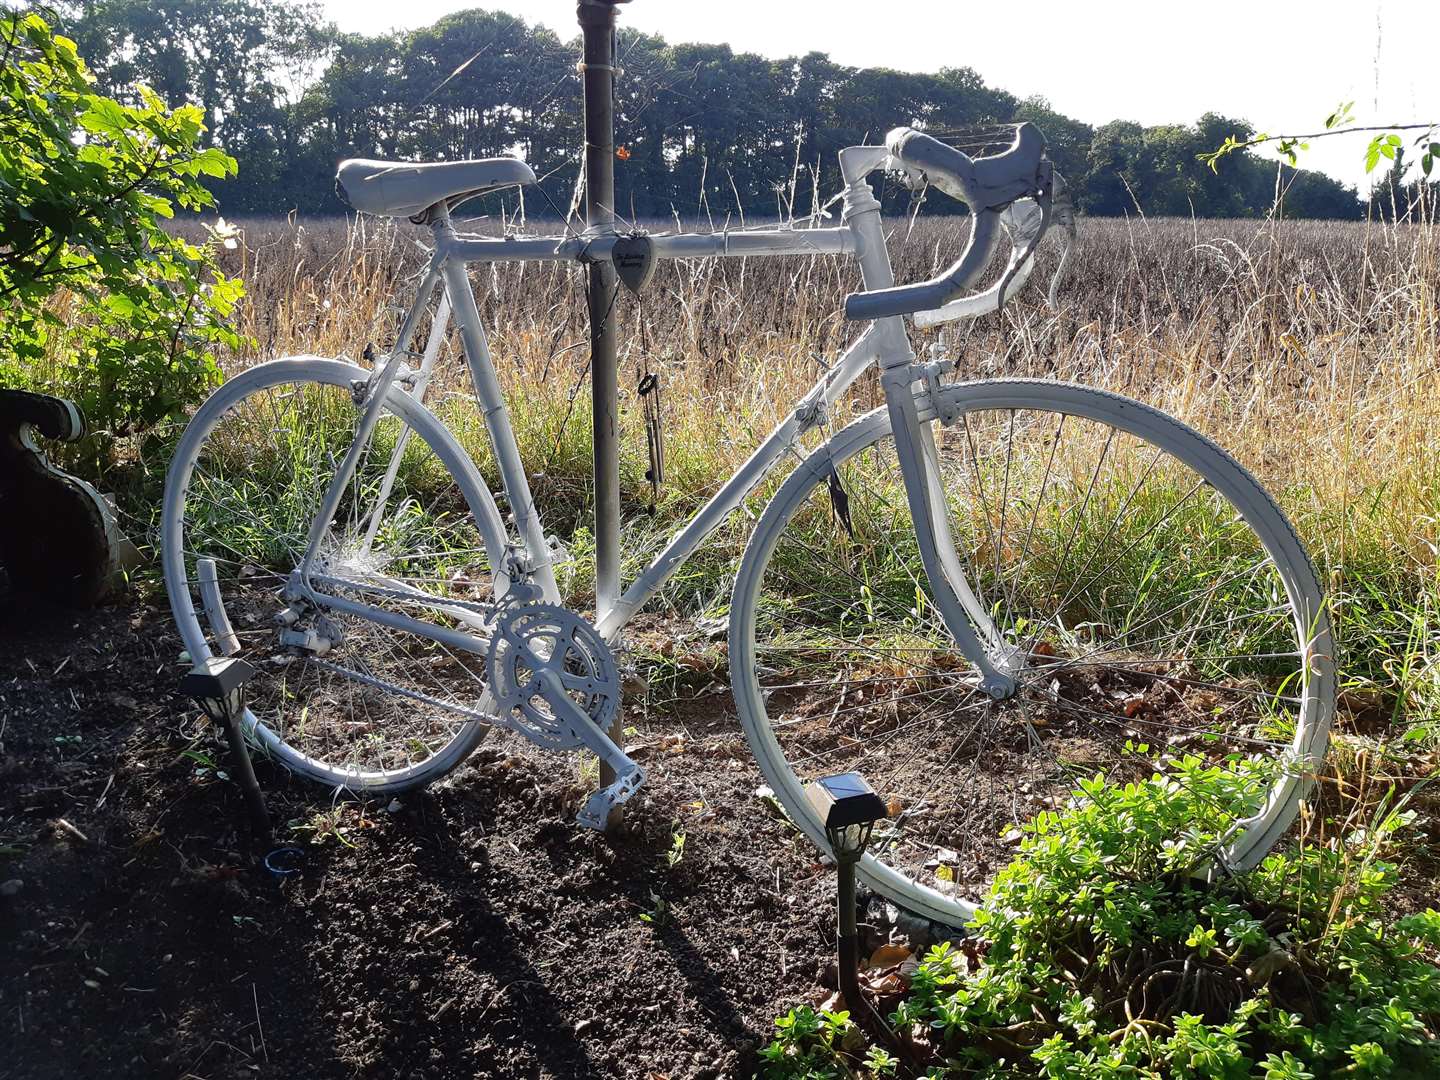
{"x":889,"y":955}
{"x":889,"y":983}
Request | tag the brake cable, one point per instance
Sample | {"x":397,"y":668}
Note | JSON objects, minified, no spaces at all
{"x":648,"y":391}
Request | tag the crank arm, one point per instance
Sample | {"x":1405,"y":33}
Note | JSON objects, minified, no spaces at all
{"x":628,"y":775}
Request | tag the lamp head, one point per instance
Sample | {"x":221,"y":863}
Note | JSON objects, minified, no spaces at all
{"x":218,"y":684}
{"x":848,"y":808}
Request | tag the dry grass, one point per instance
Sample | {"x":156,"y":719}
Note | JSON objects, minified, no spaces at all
{"x":1310,"y":350}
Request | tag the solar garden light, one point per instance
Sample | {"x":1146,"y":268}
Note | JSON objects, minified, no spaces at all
{"x":217,"y":683}
{"x":849,"y":808}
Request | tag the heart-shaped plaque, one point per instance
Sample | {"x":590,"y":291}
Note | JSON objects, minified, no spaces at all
{"x":634,"y":259}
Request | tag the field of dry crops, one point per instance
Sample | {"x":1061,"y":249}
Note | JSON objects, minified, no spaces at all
{"x":1310,"y":350}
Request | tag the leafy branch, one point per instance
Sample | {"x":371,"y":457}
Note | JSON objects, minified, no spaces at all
{"x":1386,"y":143}
{"x":86,"y":186}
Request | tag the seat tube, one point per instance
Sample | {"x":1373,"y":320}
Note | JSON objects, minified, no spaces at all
{"x":897,"y":378}
{"x":497,"y":424}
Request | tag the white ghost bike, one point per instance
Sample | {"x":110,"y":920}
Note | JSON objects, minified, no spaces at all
{"x":972,"y":594}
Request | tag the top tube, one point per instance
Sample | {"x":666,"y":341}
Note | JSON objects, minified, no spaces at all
{"x":830,"y":241}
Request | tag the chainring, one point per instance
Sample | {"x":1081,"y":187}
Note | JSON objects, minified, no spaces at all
{"x":532,"y":638}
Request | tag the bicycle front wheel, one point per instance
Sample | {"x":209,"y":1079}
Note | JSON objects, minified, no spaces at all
{"x":1145,"y":591}
{"x":378,"y":708}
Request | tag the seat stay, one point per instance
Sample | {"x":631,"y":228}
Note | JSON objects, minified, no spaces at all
{"x":365,"y":427}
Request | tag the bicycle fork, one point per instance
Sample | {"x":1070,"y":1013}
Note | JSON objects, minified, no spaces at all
{"x":964,"y":615}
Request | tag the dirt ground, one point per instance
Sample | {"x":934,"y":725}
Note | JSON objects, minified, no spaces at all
{"x":473,"y":931}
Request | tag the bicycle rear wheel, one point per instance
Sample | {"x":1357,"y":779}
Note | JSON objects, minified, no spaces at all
{"x":382,"y":709}
{"x":1146,"y":591}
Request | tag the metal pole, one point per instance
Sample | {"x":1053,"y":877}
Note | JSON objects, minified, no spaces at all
{"x":597,"y":23}
{"x":847,"y":963}
{"x":245,"y":773}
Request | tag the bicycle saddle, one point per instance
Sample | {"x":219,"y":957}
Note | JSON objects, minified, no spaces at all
{"x":982,"y":183}
{"x":404,"y":189}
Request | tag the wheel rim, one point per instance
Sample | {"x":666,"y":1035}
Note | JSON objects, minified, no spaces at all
{"x":382,"y":709}
{"x":841,"y":663}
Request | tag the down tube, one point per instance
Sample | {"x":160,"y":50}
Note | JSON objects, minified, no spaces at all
{"x":817,"y":400}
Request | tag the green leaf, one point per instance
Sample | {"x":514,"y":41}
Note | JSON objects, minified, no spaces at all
{"x":1372,"y":154}
{"x":105,"y":117}
{"x":120,"y":304}
{"x":215,"y":162}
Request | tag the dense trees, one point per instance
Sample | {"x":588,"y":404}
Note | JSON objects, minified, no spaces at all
{"x":705,"y":130}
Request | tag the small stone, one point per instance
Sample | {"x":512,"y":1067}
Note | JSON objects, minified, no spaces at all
{"x":395,"y":807}
{"x":11,"y":887}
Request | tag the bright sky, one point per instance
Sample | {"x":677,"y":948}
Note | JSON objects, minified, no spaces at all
{"x":1282,"y":66}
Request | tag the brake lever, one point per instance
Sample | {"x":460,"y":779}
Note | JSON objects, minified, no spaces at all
{"x":1025,"y":223}
{"x":1064,"y":216}
{"x":1042,"y":198}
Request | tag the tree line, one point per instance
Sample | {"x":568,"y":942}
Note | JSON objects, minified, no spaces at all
{"x":702,"y":130}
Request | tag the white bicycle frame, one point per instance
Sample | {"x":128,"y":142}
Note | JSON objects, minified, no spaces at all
{"x":884,"y":342}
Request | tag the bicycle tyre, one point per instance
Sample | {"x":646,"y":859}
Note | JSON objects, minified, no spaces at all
{"x":227,"y":497}
{"x":774,"y":717}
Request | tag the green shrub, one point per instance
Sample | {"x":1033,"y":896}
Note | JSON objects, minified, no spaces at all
{"x":97,"y":300}
{"x":1100,"y":956}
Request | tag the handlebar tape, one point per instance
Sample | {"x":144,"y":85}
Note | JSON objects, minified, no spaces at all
{"x":981,"y":183}
{"x":937,"y":292}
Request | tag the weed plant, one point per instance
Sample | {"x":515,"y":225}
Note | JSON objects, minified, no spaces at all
{"x":1098,"y":954}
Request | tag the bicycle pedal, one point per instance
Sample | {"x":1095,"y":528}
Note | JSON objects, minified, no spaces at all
{"x":306,"y":641}
{"x":595,"y":814}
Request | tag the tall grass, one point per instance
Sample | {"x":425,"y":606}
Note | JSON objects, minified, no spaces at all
{"x":1310,"y":350}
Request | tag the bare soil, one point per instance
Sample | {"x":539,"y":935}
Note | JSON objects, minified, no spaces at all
{"x":470,"y":931}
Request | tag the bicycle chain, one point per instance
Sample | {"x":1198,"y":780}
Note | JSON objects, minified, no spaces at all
{"x":416,"y":596}
{"x":414,"y":695}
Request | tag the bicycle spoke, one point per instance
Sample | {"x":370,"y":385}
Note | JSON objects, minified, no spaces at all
{"x":254,"y":491}
{"x":1139,"y":604}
